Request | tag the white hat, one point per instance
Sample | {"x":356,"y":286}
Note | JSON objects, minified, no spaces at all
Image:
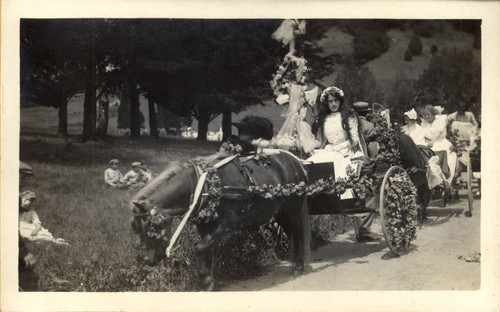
{"x":412,"y":114}
{"x":439,"y":109}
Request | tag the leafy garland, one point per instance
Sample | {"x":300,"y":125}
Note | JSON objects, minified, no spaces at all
{"x":401,"y":212}
{"x":401,"y":206}
{"x":360,"y":185}
{"x":207,"y":213}
{"x":231,"y":148}
{"x":388,"y":142}
{"x":458,"y":146}
{"x":287,"y":72}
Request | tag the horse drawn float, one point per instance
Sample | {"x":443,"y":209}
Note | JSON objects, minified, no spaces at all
{"x":223,"y":194}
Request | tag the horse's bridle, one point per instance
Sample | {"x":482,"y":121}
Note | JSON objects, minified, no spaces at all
{"x":157,"y":219}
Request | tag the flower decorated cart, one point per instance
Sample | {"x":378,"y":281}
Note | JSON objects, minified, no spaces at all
{"x":276,"y":175}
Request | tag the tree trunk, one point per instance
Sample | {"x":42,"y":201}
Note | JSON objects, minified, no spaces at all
{"x":62,"y":129}
{"x":135,"y":124}
{"x":102,"y":125}
{"x":89,"y":109}
{"x":226,"y":125}
{"x":203,"y":121}
{"x":153,"y":124}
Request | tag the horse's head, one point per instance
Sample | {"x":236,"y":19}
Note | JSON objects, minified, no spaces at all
{"x":154,"y":207}
{"x":153,"y":230}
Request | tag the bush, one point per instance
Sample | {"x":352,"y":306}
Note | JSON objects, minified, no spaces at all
{"x":426,"y":29}
{"x":448,"y":72}
{"x":408,"y":55}
{"x":415,"y":46}
{"x":370,"y":44}
{"x":434,"y":49}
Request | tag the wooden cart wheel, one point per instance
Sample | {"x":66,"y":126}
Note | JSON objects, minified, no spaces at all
{"x":403,"y":219}
{"x":470,"y":196}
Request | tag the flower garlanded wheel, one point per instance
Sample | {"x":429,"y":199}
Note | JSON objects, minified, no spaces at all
{"x":398,"y":210}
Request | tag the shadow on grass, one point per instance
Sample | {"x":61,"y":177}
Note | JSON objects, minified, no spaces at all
{"x":70,"y":151}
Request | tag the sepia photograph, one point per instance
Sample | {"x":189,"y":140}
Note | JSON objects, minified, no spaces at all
{"x":222,"y":156}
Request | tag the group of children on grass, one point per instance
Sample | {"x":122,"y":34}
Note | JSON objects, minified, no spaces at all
{"x":136,"y":178}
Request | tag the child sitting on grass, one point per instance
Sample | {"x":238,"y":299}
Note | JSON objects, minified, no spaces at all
{"x":112,"y":176}
{"x":30,"y":226}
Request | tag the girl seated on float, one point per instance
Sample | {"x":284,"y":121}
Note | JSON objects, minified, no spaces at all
{"x":434,"y":126}
{"x":339,"y":133}
{"x":412,"y":128}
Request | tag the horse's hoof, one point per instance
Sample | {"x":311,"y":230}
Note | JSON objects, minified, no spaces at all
{"x":207,"y":284}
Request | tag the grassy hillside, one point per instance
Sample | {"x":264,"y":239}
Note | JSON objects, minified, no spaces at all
{"x":385,"y":68}
{"x":390,"y":64}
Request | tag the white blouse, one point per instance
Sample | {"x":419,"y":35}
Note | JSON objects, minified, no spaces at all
{"x":435,"y":131}
{"x":334,"y":132}
{"x":415,"y":132}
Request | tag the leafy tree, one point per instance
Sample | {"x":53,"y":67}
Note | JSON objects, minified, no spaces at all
{"x":400,"y":95}
{"x":369,"y":44}
{"x":415,"y":45}
{"x":124,"y":112}
{"x":48,"y":78}
{"x":451,"y":74}
{"x":358,"y":83}
{"x":168,"y":120}
{"x":60,"y":57}
{"x":427,"y":28}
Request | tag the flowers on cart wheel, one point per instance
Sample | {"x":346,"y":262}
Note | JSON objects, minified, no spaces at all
{"x":401,"y":211}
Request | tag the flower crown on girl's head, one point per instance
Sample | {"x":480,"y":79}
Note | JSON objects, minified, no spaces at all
{"x":331,"y":90}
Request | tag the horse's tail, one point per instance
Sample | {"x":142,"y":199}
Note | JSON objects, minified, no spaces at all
{"x":301,"y":237}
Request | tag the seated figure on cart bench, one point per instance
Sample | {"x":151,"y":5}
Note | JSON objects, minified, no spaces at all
{"x":340,"y":132}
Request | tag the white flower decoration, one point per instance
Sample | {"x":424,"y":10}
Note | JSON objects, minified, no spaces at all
{"x":331,"y":90}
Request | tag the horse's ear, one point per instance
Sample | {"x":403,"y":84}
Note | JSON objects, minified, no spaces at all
{"x":141,"y":204}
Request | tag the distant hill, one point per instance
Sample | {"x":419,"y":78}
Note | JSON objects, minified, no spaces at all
{"x":385,"y":68}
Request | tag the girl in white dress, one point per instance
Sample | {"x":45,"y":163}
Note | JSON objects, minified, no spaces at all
{"x":412,"y":128}
{"x":434,"y":126}
{"x":339,"y":132}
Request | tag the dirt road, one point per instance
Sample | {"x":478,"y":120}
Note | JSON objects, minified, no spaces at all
{"x":432,"y":264}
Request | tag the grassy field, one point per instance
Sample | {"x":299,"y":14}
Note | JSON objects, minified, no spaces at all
{"x":73,"y":204}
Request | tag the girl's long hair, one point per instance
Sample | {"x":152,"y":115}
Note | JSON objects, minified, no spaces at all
{"x":345,"y":113}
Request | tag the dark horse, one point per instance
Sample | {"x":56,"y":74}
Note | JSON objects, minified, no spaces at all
{"x":169,"y":195}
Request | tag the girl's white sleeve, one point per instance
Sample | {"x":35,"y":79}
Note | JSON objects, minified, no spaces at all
{"x":353,"y":129}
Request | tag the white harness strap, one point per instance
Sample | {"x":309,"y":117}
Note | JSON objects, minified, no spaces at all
{"x":197,"y":193}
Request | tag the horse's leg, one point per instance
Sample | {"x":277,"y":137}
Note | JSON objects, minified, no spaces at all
{"x":205,"y":253}
{"x":424,"y":197}
{"x":283,"y":219}
{"x":300,"y":236}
